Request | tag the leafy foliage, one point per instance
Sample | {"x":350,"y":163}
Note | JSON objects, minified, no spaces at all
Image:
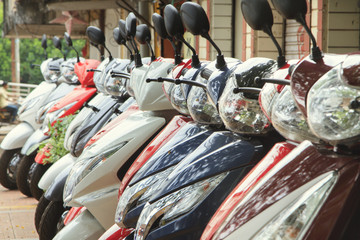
{"x":53,"y":148}
{"x":31,"y":52}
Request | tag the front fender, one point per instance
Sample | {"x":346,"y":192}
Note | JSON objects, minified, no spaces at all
{"x":85,"y":226}
{"x":17,"y":137}
{"x":55,"y":169}
{"x":55,"y":190}
{"x":32,"y":143}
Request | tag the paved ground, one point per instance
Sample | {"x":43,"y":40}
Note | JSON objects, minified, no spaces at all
{"x":16,"y":211}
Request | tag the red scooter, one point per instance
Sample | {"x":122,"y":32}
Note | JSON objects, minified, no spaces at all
{"x":310,"y":191}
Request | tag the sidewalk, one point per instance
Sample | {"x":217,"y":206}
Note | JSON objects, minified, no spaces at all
{"x":16,"y":215}
{"x":16,"y":210}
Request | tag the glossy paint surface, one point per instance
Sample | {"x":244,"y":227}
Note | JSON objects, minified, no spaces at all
{"x":220,"y":152}
{"x":80,"y":68}
{"x":116,"y":233}
{"x":131,"y":110}
{"x":186,"y":140}
{"x":351,"y":70}
{"x":307,"y":73}
{"x":273,"y":156}
{"x":302,"y":165}
{"x":162,"y":138}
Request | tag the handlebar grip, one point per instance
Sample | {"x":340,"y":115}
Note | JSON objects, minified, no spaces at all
{"x":206,"y":73}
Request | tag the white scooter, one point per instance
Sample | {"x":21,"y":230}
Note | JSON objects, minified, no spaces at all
{"x":93,"y":181}
{"x":16,"y":138}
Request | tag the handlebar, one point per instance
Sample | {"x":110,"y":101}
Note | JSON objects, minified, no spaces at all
{"x":258,"y":80}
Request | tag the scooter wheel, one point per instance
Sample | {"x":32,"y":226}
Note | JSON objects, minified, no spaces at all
{"x":9,"y":160}
{"x":22,"y":176}
{"x":51,"y":219}
{"x":35,"y":176}
{"x":40,"y":209}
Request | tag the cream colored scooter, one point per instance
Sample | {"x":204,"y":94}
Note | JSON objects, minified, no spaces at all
{"x":94,"y":180}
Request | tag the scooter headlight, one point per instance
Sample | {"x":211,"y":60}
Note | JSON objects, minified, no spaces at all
{"x":29,"y":104}
{"x":116,"y":86}
{"x":200,"y":108}
{"x":295,"y":219}
{"x":138,"y":194}
{"x":241,"y":114}
{"x":41,"y":113}
{"x":98,"y":75}
{"x":268,"y":95}
{"x":87,"y":162}
{"x":174,"y":205}
{"x":178,"y":101}
{"x":331,"y":108}
{"x":52,"y":116}
{"x":288,"y":120}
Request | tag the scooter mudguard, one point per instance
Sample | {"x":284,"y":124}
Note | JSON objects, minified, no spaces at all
{"x":232,"y":160}
{"x":177,"y":124}
{"x":85,"y":112}
{"x":92,"y":125}
{"x":77,"y":98}
{"x":278,"y":152}
{"x":33,"y":142}
{"x":17,"y":137}
{"x":201,"y":144}
{"x":84,"y":227}
{"x":33,"y":101}
{"x":116,"y":233}
{"x":185,"y":141}
{"x":56,"y":188}
{"x":309,"y":172}
{"x":102,"y":184}
{"x":54,"y":170}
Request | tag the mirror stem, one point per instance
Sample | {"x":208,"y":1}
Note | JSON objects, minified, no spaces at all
{"x":316,"y":53}
{"x":177,"y":54}
{"x":195,"y":62}
{"x":45,"y":54}
{"x":110,"y":56}
{"x":281,"y":58}
{"x":152,"y":51}
{"x":220,"y":61}
{"x":77,"y":54}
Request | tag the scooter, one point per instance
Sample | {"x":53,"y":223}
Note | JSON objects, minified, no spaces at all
{"x":16,"y":138}
{"x":164,"y":160}
{"x":90,"y":119}
{"x":80,"y":188}
{"x":69,"y":104}
{"x":315,"y":173}
{"x":99,"y":111}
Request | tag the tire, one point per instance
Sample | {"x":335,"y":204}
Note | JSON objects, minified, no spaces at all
{"x":22,"y":180}
{"x":40,"y":209}
{"x":35,"y":176}
{"x":8,"y":173}
{"x":50,"y":220}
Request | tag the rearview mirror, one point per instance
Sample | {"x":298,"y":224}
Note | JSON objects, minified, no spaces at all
{"x":118,"y":37}
{"x":44,"y":41}
{"x":294,"y":9}
{"x":57,"y":42}
{"x":143,"y":34}
{"x":258,"y":14}
{"x":131,"y":25}
{"x":95,"y":35}
{"x":68,"y":39}
{"x":194,"y":18}
{"x":196,"y":21}
{"x":159,"y":26}
{"x":122,"y":29}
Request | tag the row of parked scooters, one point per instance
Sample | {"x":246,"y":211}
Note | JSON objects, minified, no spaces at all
{"x":187,"y":149}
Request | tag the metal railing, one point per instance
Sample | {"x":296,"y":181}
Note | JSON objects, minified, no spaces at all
{"x":19,"y":91}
